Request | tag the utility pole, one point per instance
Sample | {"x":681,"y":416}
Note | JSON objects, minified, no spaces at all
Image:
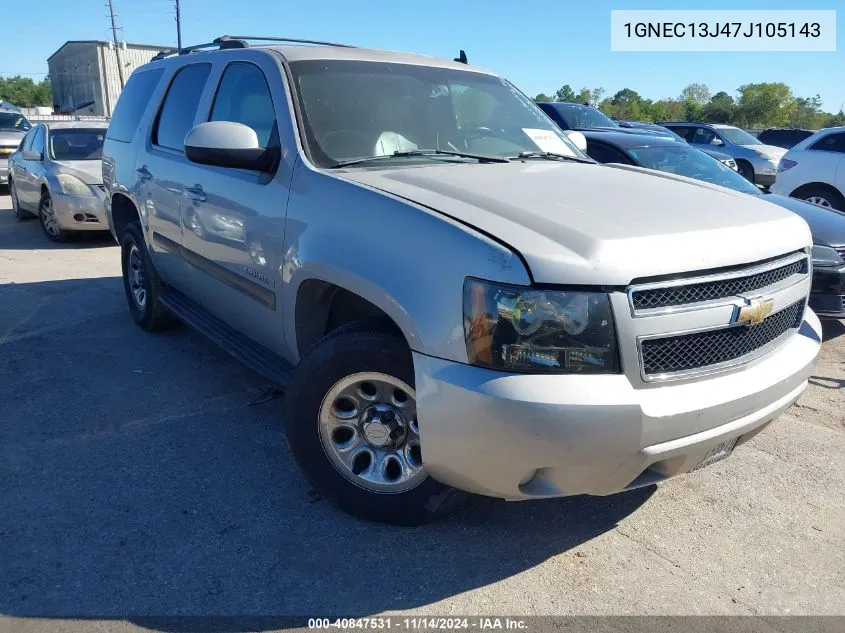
{"x":116,"y":45}
{"x":178,"y":28}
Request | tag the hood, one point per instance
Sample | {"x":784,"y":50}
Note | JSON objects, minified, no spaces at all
{"x":826,"y":225}
{"x":717,"y":155}
{"x":10,"y":138}
{"x":88,"y":171}
{"x":770,"y":150}
{"x":598,"y":224}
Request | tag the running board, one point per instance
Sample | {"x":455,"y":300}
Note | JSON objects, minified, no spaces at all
{"x":259,"y":359}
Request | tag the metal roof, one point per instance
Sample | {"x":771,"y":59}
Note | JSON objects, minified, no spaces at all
{"x":152,"y":47}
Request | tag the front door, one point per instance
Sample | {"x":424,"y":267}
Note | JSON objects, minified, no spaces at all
{"x":28,"y":188}
{"x":234,"y":219}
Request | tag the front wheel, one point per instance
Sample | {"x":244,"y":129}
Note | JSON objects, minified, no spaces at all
{"x":49,"y":222}
{"x":351,"y":423}
{"x":746,"y":170}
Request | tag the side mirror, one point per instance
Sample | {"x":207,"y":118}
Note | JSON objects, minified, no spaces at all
{"x":229,"y":144}
{"x":578,"y":139}
{"x":717,"y":141}
{"x":29,"y":154}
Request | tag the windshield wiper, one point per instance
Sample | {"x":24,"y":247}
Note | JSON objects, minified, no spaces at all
{"x":552,"y":156}
{"x":482,"y":158}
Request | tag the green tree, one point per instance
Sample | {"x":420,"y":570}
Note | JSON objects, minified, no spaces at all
{"x":565,"y":93}
{"x":24,"y":92}
{"x":807,"y":113}
{"x":764,"y":105}
{"x":720,"y":109}
{"x":696,"y":93}
{"x":542,"y":98}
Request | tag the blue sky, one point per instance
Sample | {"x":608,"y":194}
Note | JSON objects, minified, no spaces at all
{"x":538,"y":45}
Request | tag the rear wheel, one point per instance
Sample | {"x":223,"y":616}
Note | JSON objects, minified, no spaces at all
{"x":351,"y":423}
{"x":141,"y":283}
{"x":49,"y":223}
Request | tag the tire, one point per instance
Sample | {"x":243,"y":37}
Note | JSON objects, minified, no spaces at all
{"x":20,"y":214}
{"x":141,"y":282}
{"x":745,"y":170}
{"x":400,"y":493}
{"x":48,"y":221}
{"x":822,"y":196}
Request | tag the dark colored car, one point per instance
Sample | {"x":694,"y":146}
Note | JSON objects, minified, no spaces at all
{"x":784,"y":137}
{"x":651,"y":128}
{"x":827,"y":297}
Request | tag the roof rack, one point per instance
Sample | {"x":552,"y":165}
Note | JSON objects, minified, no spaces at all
{"x":239,"y":41}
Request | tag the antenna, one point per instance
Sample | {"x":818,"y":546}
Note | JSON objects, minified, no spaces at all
{"x":462,"y":57}
{"x":116,"y":47}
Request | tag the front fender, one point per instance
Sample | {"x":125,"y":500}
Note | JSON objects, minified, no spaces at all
{"x":408,"y":260}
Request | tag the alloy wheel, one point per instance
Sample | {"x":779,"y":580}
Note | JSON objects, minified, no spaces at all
{"x":820,"y":201}
{"x":48,"y":218}
{"x":137,"y":277}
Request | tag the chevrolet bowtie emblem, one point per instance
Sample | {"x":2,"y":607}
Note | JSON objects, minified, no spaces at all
{"x":755,"y":312}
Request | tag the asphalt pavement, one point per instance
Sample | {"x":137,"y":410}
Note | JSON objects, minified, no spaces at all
{"x":146,"y":476}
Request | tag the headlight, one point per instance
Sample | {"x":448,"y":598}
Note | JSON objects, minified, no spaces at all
{"x":521,"y":329}
{"x":825,"y":256}
{"x":72,"y":185}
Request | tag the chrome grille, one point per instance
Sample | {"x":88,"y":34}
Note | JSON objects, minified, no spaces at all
{"x":840,"y":250}
{"x":713,"y":347}
{"x":663,"y":297}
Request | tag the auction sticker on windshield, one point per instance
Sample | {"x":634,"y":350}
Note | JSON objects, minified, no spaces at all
{"x":547,"y":141}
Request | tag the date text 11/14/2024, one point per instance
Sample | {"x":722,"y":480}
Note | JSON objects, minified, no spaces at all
{"x":421,"y":623}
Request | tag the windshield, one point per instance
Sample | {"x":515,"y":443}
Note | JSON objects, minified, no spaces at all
{"x":688,"y":161}
{"x":737,"y":136}
{"x":353,"y":110}
{"x":13,"y":122}
{"x":584,"y":117}
{"x":77,"y":144}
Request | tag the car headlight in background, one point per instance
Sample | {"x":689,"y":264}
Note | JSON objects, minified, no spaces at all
{"x":769,"y":157}
{"x":71,"y":185}
{"x":520,"y":329}
{"x":824,"y":255}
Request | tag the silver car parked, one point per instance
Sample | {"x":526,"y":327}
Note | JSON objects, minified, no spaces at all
{"x":56,"y":174}
{"x":754,"y":160}
{"x":13,"y":127}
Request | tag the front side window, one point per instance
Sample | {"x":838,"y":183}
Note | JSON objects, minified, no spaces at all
{"x":243,"y":97}
{"x":738,"y":137}
{"x":176,"y":117}
{"x":352,"y":110}
{"x":688,"y":161}
{"x":14,"y":122}
{"x":605,"y":153}
{"x":831,"y":143}
{"x":38,"y":140}
{"x":76,"y":144}
{"x":703,"y":136}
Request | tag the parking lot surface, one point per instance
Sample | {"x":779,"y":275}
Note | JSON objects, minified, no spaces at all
{"x":147,"y":475}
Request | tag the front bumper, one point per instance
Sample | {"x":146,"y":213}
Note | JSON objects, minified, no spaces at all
{"x":4,"y":171}
{"x":765,"y":172}
{"x":827,"y":297}
{"x":520,"y":436}
{"x":80,"y":213}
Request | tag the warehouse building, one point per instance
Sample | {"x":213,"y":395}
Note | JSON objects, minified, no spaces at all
{"x":85,"y":75}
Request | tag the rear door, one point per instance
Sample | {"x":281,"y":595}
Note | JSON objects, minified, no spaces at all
{"x":828,"y":154}
{"x":235,"y":218}
{"x":165,"y":173}
{"x":18,"y":169}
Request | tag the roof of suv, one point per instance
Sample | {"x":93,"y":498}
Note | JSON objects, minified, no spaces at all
{"x":295,"y":52}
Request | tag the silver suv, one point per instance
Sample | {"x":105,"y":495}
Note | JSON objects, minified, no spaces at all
{"x":454,"y":296}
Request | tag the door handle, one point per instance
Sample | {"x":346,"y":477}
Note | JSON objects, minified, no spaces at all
{"x":143,"y":173}
{"x":196,"y":193}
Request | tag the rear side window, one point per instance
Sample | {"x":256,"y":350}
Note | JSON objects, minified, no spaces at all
{"x":606,"y":153}
{"x":132,"y":103}
{"x":176,"y":117}
{"x":686,"y":133}
{"x":831,"y":143}
{"x":243,"y":97}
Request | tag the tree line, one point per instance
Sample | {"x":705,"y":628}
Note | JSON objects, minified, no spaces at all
{"x":24,"y":92}
{"x":758,"y":105}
